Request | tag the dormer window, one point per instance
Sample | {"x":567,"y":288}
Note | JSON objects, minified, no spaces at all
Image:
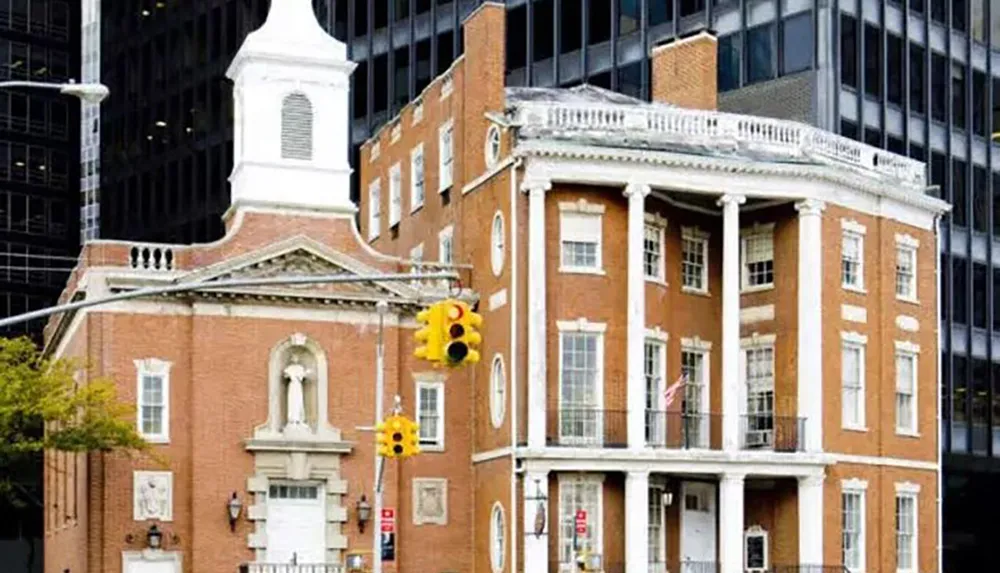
{"x":296,"y":127}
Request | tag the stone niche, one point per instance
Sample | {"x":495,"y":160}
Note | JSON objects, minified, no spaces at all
{"x":297,"y":443}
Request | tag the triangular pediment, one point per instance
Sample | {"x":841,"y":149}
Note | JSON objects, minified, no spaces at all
{"x":302,"y":257}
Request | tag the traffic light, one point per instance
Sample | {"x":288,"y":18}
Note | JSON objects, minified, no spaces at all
{"x":411,"y":436}
{"x":430,"y":334}
{"x":461,"y":339}
{"x":397,"y":437}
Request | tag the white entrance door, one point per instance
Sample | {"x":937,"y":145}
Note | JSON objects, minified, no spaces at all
{"x":296,"y":524}
{"x":697,"y":524}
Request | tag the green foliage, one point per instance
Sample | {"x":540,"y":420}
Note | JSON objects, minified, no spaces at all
{"x":42,"y":407}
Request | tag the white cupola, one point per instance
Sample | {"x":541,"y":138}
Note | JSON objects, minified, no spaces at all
{"x":291,"y":87}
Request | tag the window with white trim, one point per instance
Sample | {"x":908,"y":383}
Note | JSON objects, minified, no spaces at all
{"x":906,"y":272}
{"x":580,"y":235}
{"x":492,"y":146}
{"x":653,"y":368}
{"x":906,"y":391}
{"x":759,"y":376}
{"x":153,"y":399}
{"x":445,"y":156}
{"x":656,"y":531}
{"x":395,"y":195}
{"x":580,"y":384}
{"x":417,"y":177}
{"x":852,"y":368}
{"x":497,"y":244}
{"x":579,"y":493}
{"x":430,"y":414}
{"x":694,"y":408}
{"x":497,"y":538}
{"x":758,"y":258}
{"x":852,"y":258}
{"x":906,"y":532}
{"x":416,"y":256}
{"x":498,"y":392}
{"x":374,"y":208}
{"x":853,"y":529}
{"x":652,"y":251}
{"x":694,"y":260}
{"x":755,"y":550}
{"x":446,"y":245}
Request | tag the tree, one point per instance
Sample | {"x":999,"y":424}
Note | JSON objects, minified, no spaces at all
{"x":43,"y":407}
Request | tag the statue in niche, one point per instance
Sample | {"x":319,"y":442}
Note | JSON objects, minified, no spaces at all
{"x":296,"y":374}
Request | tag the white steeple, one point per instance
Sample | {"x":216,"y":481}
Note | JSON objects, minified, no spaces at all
{"x":291,"y":87}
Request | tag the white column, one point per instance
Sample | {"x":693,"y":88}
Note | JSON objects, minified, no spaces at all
{"x":731,"y":523}
{"x":537,"y":378}
{"x":536,"y":547}
{"x":731,"y":320}
{"x":637,"y":521}
{"x":636,"y":329}
{"x":810,"y":341}
{"x":811,"y":520}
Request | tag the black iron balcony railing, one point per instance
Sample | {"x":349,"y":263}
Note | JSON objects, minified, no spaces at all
{"x":291,"y":568}
{"x":574,"y":567}
{"x":809,"y":569}
{"x":588,"y":428}
{"x":777,"y":433}
{"x":684,"y":567}
{"x":679,"y":430}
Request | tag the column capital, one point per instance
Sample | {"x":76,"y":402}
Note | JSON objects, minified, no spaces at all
{"x":637,"y":474}
{"x":637,"y":190}
{"x":731,"y":198}
{"x":810,"y":207}
{"x":732,"y":478}
{"x":534,"y":186}
{"x":812,"y":480}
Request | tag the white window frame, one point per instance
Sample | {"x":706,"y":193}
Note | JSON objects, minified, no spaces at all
{"x":655,"y":224}
{"x":655,"y":428}
{"x":703,"y":348}
{"x":752,"y":344}
{"x":446,"y":245}
{"x":696,"y":236}
{"x":853,"y":231}
{"x":907,"y":351}
{"x":859,"y":488}
{"x":746,"y":235}
{"x":596,"y":329}
{"x":153,"y":367}
{"x":491,"y":148}
{"x":374,"y":208}
{"x":911,"y":246}
{"x":498,"y":243}
{"x":395,"y":194}
{"x":418,"y":187}
{"x":567,"y":515}
{"x":446,"y":156}
{"x":656,"y":491}
{"x":498,"y":391}
{"x":756,"y":531}
{"x":910,"y":491}
{"x":498,"y":538}
{"x":416,"y":255}
{"x":436,"y":385}
{"x":582,"y":214}
{"x":858,"y":342}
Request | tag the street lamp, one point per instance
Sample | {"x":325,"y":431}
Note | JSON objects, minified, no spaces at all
{"x":88,"y":93}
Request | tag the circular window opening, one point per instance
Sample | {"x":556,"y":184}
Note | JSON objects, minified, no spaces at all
{"x":492,"y":145}
{"x":497,"y":242}
{"x":498,"y":392}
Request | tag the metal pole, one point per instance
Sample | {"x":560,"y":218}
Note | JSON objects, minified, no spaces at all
{"x":381,"y":307}
{"x":211,"y":285}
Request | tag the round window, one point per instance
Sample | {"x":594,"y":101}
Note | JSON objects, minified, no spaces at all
{"x":497,"y":542}
{"x":492,"y":145}
{"x":497,"y":244}
{"x":498,"y":392}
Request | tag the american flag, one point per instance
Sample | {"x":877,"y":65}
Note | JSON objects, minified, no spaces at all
{"x":671,"y":392}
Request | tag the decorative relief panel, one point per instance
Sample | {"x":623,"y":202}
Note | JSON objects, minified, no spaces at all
{"x":153,"y":496}
{"x":430,"y":505}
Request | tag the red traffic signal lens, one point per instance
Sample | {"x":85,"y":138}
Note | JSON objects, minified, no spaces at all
{"x":455,"y":312}
{"x":457,"y":351}
{"x":456,"y":331}
{"x":397,"y":449}
{"x":397,"y":436}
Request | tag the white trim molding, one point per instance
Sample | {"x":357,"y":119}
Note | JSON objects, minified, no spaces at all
{"x":757,"y":339}
{"x":854,"y":484}
{"x":153,"y":367}
{"x":907,"y":240}
{"x":696,"y":343}
{"x":581,"y":206}
{"x":752,"y":314}
{"x":852,"y":313}
{"x":438,"y":385}
{"x":907,"y":487}
{"x":852,"y":226}
{"x":853,"y":337}
{"x":907,"y":346}
{"x":655,"y":219}
{"x":581,"y":325}
{"x":658,"y":334}
{"x":907,"y":323}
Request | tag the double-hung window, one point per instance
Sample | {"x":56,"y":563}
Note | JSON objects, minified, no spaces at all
{"x":580,"y":238}
{"x":657,"y":532}
{"x":852,"y":365}
{"x":694,"y":260}
{"x":853,"y":525}
{"x":758,"y":257}
{"x":694,"y":408}
{"x":852,"y":256}
{"x":417,"y":177}
{"x":906,"y":387}
{"x":446,"y":151}
{"x":652,"y":251}
{"x":374,"y":208}
{"x":581,"y":384}
{"x":760,"y":393}
{"x":395,"y":195}
{"x":653,"y":368}
{"x":153,"y":393}
{"x":430,"y":414}
{"x":906,"y":267}
{"x":446,"y":245}
{"x":906,"y":528}
{"x":579,"y":494}
{"x":417,"y":257}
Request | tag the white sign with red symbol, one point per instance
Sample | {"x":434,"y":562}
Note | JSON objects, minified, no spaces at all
{"x":581,"y":522}
{"x":388,"y":520}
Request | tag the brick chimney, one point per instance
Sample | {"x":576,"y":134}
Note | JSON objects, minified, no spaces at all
{"x":684,"y":72}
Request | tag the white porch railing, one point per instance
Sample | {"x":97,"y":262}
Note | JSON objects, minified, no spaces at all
{"x":724,"y":131}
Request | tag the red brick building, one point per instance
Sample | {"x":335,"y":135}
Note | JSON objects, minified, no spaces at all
{"x":613,"y":245}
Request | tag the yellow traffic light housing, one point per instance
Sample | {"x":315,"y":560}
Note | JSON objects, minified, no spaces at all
{"x":461,"y":339}
{"x":430,"y":334}
{"x":397,"y":437}
{"x":382,"y":445}
{"x":412,"y":444}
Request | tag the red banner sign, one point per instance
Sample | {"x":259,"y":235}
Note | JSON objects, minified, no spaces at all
{"x":581,"y":521}
{"x":388,"y":520}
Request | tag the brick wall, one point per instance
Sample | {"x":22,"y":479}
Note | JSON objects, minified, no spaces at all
{"x":684,"y":72}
